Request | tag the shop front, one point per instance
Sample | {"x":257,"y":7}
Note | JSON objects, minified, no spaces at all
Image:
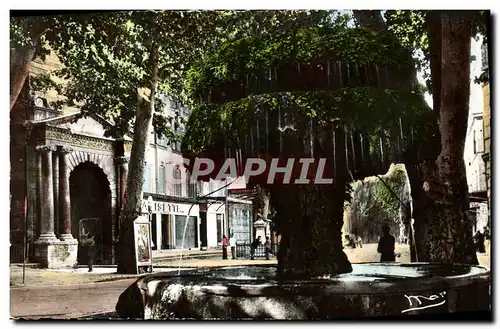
{"x":174,"y":225}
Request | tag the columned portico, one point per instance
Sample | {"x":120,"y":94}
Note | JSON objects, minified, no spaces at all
{"x":54,"y":191}
{"x":64,"y":198}
{"x":65,"y":154}
{"x":46,"y":185}
{"x":122,"y":168}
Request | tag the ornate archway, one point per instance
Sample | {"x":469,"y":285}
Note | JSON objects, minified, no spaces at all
{"x":91,"y":209}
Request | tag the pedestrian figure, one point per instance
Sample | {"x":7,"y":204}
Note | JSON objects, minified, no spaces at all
{"x":348,"y":241}
{"x":224,"y":247}
{"x":479,"y":239}
{"x":486,"y":233}
{"x":267,"y":245}
{"x":386,"y":245}
{"x":352,"y":241}
{"x":359,"y":241}
{"x":254,"y":246}
{"x":232,"y":244}
{"x":90,"y":251}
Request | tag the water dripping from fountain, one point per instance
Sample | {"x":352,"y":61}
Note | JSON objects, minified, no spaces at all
{"x":241,"y":161}
{"x":225,"y":147}
{"x":252,"y":148}
{"x":412,"y":140}
{"x":328,"y":72}
{"x":267,"y":132}
{"x":346,"y":138}
{"x":378,"y":75}
{"x":348,"y":75}
{"x":350,"y":174}
{"x":353,"y":152}
{"x":358,"y":75}
{"x":247,"y":86}
{"x":311,"y":137}
{"x":381,"y":151}
{"x":257,"y":128}
{"x":401,"y":127}
{"x":340,"y":74}
{"x":275,"y":83}
{"x":279,"y":127}
{"x":361,"y":138}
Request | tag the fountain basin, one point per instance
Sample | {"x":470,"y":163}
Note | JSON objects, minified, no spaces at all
{"x":252,"y":292}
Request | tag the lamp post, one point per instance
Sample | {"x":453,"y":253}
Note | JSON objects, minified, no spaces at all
{"x":150,"y":211}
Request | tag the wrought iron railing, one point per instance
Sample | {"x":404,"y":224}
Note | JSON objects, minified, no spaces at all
{"x":244,"y":251}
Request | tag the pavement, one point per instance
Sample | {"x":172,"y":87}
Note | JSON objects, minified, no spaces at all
{"x":69,"y":301}
{"x":76,"y":293}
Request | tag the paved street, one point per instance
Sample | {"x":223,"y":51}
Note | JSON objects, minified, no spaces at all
{"x":66,"y":301}
{"x":77,"y":293}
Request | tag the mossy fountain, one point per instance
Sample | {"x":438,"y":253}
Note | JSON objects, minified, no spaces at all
{"x":343,"y":95}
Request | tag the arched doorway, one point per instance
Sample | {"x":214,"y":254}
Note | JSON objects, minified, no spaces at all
{"x":90,"y":195}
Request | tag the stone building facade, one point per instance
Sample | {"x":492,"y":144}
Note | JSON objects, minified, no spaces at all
{"x":186,"y":214}
{"x":486,"y":122}
{"x":68,"y":180}
{"x":64,"y":175}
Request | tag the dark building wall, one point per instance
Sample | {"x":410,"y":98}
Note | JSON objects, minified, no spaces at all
{"x":17,"y":177}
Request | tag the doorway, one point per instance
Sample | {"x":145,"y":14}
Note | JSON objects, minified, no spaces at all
{"x":90,"y":196}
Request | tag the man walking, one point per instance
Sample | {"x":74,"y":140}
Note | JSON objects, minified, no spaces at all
{"x":386,"y":245}
{"x":254,"y":246}
{"x":232,"y":244}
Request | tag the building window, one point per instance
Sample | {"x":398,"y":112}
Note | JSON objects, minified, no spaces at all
{"x":220,"y":228}
{"x":162,"y":180}
{"x":145,"y":184}
{"x":177,"y":184}
{"x":186,"y":232}
{"x":192,"y":187}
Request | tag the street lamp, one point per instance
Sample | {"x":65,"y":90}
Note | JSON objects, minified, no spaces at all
{"x":150,"y":211}
{"x":150,"y":206}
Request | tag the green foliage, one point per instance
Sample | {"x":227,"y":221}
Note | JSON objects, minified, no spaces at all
{"x":234,"y":61}
{"x":410,"y":28}
{"x":369,"y":109}
{"x":387,"y":195}
{"x":106,"y":58}
{"x":373,"y":205}
{"x":106,"y":55}
{"x":241,"y":24}
{"x":30,"y":32}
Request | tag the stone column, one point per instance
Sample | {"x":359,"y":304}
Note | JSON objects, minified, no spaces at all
{"x":122,"y":180}
{"x":55,"y":188}
{"x":64,"y":198}
{"x":260,"y":229}
{"x":47,"y":195}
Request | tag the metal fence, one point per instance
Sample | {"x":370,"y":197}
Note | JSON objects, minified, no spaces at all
{"x":244,"y":251}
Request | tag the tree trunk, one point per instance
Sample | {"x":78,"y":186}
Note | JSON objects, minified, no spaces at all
{"x":311,"y":219}
{"x":441,"y":229}
{"x":20,"y":62}
{"x":133,"y":197}
{"x":261,"y":203}
{"x":449,"y":230}
{"x":22,"y":56}
{"x":370,"y":18}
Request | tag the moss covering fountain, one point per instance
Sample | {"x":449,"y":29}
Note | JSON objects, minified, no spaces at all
{"x":339,"y":94}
